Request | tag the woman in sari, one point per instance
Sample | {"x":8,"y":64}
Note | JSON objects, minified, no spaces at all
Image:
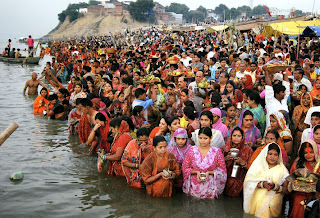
{"x":251,"y":132}
{"x":78,"y":93}
{"x":133,"y":156}
{"x":162,"y":129}
{"x":217,"y":123}
{"x":298,"y":117}
{"x":307,"y":158}
{"x":179,"y":146}
{"x":259,"y":117}
{"x":278,"y":123}
{"x":230,"y":120}
{"x":74,"y":118}
{"x":190,"y":115}
{"x":204,"y":169}
{"x":137,"y":117}
{"x":159,"y":183}
{"x":173,"y":125}
{"x":121,"y":137}
{"x":39,"y":104}
{"x":206,"y":120}
{"x":234,"y":184}
{"x":265,"y":183}
{"x":315,"y":92}
{"x":272,"y":136}
{"x":315,"y":136}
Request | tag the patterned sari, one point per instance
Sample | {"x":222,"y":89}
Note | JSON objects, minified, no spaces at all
{"x":234,"y":185}
{"x":213,"y":161}
{"x":298,"y":117}
{"x":134,"y":154}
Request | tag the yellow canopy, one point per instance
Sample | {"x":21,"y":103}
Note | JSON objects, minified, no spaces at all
{"x":216,"y":28}
{"x":288,"y":28}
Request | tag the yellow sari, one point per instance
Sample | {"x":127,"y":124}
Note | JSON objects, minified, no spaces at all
{"x":261,"y":202}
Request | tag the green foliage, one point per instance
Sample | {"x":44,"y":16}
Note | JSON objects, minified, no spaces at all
{"x":195,"y":16}
{"x":177,"y":8}
{"x":93,"y":2}
{"x":138,"y":10}
{"x":259,"y":10}
{"x":202,"y":10}
{"x":246,"y":9}
{"x":73,"y":15}
{"x":72,"y":12}
{"x":299,"y":13}
{"x":62,"y":16}
{"x":219,"y":10}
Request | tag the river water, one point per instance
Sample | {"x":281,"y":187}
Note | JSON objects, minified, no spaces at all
{"x":61,"y":178}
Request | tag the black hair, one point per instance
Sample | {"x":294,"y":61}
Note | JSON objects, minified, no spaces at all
{"x":190,"y":113}
{"x":170,"y":120}
{"x":315,"y":114}
{"x":64,"y":92}
{"x":79,"y":84}
{"x":226,"y":75}
{"x":274,"y":146}
{"x":157,"y":140}
{"x":100,"y":116}
{"x":316,"y":128}
{"x":302,"y":85}
{"x":206,"y":130}
{"x":143,"y":131}
{"x":172,"y":86}
{"x":109,"y":82}
{"x":127,"y":80}
{"x":247,"y":91}
{"x":129,"y":122}
{"x":246,"y":113}
{"x":136,"y":110}
{"x":189,"y":104}
{"x":78,"y":100}
{"x":85,"y":102}
{"x":115,"y":122}
{"x":208,"y":114}
{"x":274,"y":132}
{"x":254,"y":96}
{"x":52,"y":97}
{"x":139,"y":92}
{"x":229,"y":106}
{"x":277,"y":88}
{"x":239,"y":129}
{"x":185,"y":91}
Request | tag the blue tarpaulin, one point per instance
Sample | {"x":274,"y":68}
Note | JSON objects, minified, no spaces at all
{"x":311,"y":31}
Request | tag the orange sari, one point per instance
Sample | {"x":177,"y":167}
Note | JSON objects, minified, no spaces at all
{"x":38,"y":108}
{"x":151,"y":167}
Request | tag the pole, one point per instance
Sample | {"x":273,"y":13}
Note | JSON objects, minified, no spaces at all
{"x":313,"y":6}
{"x":34,"y":49}
{"x":298,"y":44}
{"x":7,"y":132}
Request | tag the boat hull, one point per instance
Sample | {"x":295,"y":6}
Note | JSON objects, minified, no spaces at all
{"x":31,"y":60}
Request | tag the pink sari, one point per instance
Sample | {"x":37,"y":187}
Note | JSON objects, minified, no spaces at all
{"x":219,"y":125}
{"x":213,"y":161}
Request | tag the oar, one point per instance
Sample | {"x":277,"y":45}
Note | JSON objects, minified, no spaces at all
{"x":7,"y":132}
{"x":25,"y":60}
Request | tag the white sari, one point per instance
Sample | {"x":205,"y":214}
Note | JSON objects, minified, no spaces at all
{"x":216,"y":140}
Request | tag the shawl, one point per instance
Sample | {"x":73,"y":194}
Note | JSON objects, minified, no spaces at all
{"x":84,"y":128}
{"x":312,"y":136}
{"x":248,"y":84}
{"x":285,"y":132}
{"x":315,"y":93}
{"x":299,"y":113}
{"x":219,"y":125}
{"x":249,"y":134}
{"x":96,"y":104}
{"x":173,"y":148}
{"x":259,"y":172}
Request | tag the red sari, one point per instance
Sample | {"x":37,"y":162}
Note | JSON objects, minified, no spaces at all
{"x":151,"y":167}
{"x":134,"y":154}
{"x":121,"y":139}
{"x":234,"y":185}
{"x":298,"y":197}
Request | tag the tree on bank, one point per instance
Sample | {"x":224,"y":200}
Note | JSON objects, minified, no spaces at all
{"x":178,"y":9}
{"x":141,"y":10}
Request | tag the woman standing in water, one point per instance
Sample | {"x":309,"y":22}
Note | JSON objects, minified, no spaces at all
{"x":159,"y":169}
{"x":204,"y":169}
{"x":39,"y":104}
{"x":265,"y":183}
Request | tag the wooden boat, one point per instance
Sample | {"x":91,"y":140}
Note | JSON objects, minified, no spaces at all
{"x":30,"y":60}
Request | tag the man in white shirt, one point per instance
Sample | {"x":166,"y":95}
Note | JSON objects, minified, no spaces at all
{"x":276,"y":96}
{"x":199,"y":94}
{"x":240,"y":74}
{"x":299,"y":80}
{"x":186,"y":60}
{"x":312,"y":119}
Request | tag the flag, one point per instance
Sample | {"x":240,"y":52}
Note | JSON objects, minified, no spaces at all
{"x":267,"y":9}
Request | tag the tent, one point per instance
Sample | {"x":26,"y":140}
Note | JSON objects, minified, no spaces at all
{"x":288,"y":28}
{"x":216,"y":28}
{"x":311,"y":31}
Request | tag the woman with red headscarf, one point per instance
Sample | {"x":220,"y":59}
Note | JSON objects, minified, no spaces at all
{"x":234,"y":183}
{"x":246,"y":82}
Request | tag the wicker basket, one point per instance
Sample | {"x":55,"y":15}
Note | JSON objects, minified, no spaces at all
{"x":110,"y":50}
{"x":302,"y":186}
{"x":276,"y":69}
{"x":173,"y":62}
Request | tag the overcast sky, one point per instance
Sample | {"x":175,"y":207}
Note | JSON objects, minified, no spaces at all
{"x":37,"y":17}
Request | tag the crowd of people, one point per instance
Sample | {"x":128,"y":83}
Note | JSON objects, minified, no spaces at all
{"x":205,"y":113}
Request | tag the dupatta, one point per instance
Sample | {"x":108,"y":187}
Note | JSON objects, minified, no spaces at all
{"x":173,"y":148}
{"x":219,"y":125}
